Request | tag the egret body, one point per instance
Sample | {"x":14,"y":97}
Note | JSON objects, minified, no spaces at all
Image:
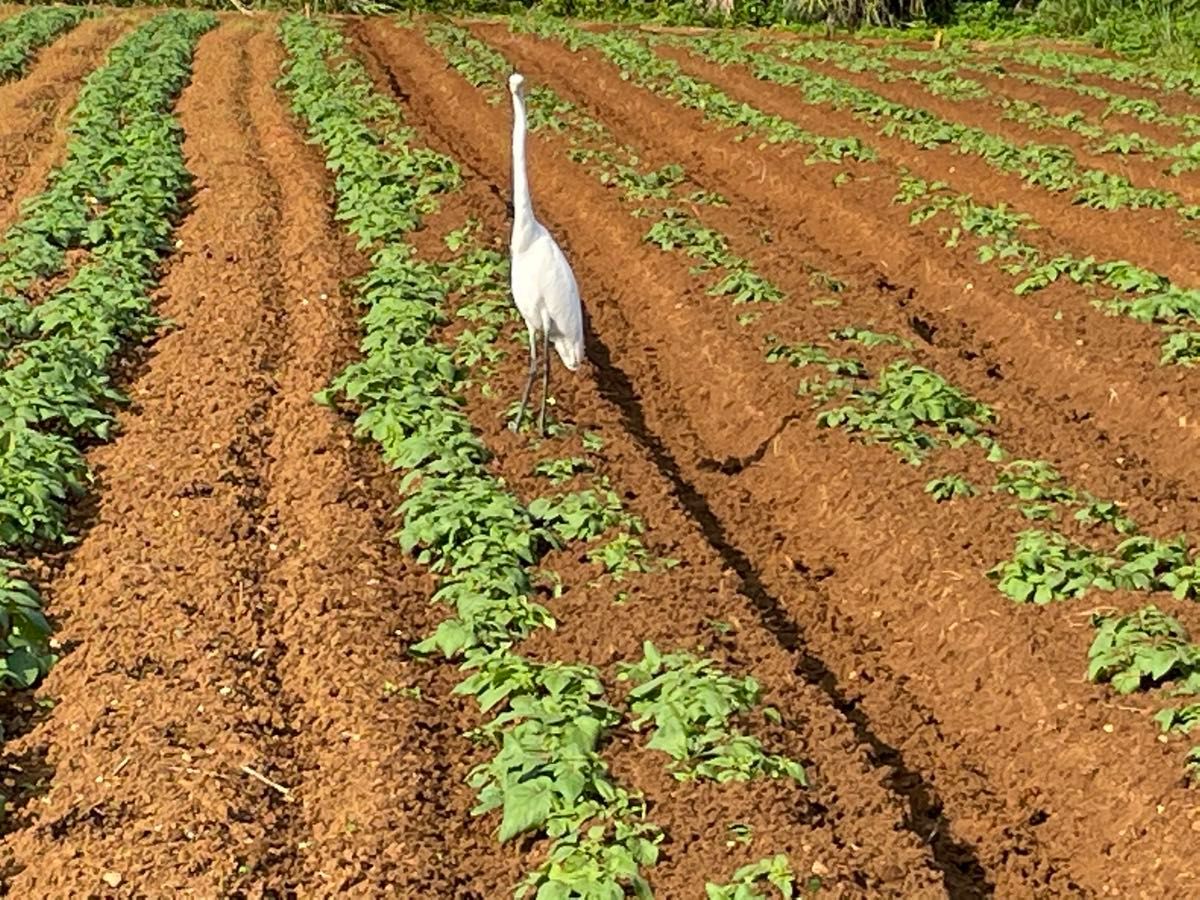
{"x":543,"y":284}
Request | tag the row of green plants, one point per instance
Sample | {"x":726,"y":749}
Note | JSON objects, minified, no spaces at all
{"x":24,"y":34}
{"x":114,"y":200}
{"x":1001,"y":238}
{"x":1050,"y":167}
{"x":1149,"y":651}
{"x":1155,"y":78}
{"x":916,"y":413}
{"x":550,"y":720}
{"x":1144,"y":109}
{"x":659,"y":194}
{"x":1001,"y":231}
{"x":946,"y":81}
{"x":686,"y":704}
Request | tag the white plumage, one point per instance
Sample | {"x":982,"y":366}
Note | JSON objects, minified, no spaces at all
{"x":543,"y":284}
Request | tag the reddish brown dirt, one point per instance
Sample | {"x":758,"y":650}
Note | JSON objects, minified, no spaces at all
{"x":236,"y":600}
{"x":236,"y":611}
{"x":1153,"y":238}
{"x":987,"y":117}
{"x":1006,"y":729}
{"x":34,"y":109}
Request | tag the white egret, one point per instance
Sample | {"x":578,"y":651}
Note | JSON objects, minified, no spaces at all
{"x":543,"y":284}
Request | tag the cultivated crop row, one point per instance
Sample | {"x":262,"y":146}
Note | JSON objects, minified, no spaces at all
{"x":866,"y":383}
{"x":1051,"y":168}
{"x":946,"y":82}
{"x":24,"y":34}
{"x":1003,"y":235}
{"x":1144,"y":109}
{"x":1154,"y":78}
{"x":544,"y":770}
{"x":75,"y":272}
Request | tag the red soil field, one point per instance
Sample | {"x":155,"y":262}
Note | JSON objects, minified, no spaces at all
{"x":234,"y":713}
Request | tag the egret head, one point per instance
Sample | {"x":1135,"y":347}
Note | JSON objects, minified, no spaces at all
{"x":516,"y":83}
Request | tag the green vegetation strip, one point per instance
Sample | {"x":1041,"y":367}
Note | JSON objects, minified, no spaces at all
{"x":1148,"y":649}
{"x":1155,"y":78}
{"x":917,"y":413}
{"x":945,"y":81}
{"x":25,"y":34}
{"x":550,"y":718}
{"x":1052,"y":168}
{"x":1002,"y":240}
{"x":1001,"y":230}
{"x":775,"y":871}
{"x":114,"y":202}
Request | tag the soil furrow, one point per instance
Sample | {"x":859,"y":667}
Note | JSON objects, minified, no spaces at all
{"x":377,"y":804}
{"x":846,"y":810}
{"x":33,"y":110}
{"x":1106,"y":368}
{"x":1152,"y":238}
{"x":849,"y":567}
{"x":230,"y":613}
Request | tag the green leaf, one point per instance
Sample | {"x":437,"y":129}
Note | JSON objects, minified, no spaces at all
{"x":526,"y":807}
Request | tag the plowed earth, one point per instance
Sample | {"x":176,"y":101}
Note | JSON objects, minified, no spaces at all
{"x":235,"y":606}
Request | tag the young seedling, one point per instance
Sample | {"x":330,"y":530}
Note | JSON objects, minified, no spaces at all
{"x":691,"y":704}
{"x":1141,"y":650}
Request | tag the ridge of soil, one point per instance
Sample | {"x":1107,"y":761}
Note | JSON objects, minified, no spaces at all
{"x":34,"y":108}
{"x":235,"y":602}
{"x":874,"y":562}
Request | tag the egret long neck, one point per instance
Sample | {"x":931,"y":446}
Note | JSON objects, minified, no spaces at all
{"x":522,"y":202}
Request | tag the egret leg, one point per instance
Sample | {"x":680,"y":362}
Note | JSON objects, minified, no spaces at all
{"x":529,"y":380}
{"x":545,"y":379}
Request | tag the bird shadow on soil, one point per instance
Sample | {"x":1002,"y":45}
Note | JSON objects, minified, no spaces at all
{"x":963,"y":874}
